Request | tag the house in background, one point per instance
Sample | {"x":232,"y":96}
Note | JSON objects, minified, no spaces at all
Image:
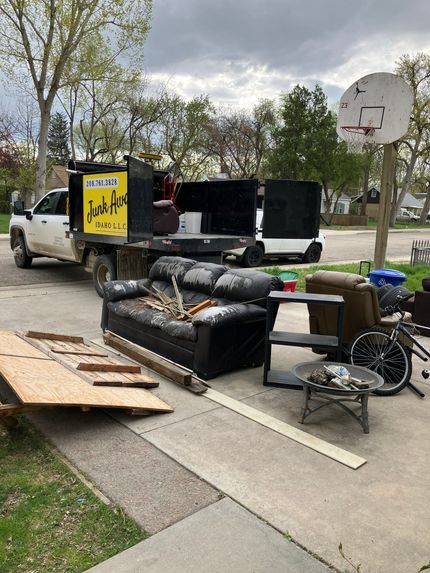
{"x":409,"y":202}
{"x":342,"y":206}
{"x":57,"y":178}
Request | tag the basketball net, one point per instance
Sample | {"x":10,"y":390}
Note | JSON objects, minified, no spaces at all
{"x":357,"y":136}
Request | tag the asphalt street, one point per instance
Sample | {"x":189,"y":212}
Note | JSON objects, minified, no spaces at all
{"x":340,"y":246}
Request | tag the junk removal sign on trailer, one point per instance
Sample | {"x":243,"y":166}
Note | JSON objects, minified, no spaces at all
{"x":105,"y":204}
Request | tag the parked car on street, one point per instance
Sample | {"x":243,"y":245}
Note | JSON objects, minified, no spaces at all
{"x":407,"y":216}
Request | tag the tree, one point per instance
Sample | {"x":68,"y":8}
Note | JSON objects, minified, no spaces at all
{"x":183,"y":132}
{"x":306,"y":146}
{"x":416,"y":143}
{"x":240,"y":139}
{"x":290,"y":135}
{"x":58,"y":139}
{"x":40,"y":39}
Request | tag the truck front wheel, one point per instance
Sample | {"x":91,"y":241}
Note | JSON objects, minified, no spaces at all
{"x":253,"y":256}
{"x":104,"y":270}
{"x":22,"y":260}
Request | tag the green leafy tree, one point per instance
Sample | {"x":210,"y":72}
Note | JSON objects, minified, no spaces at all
{"x":58,"y":139}
{"x":415,"y":70}
{"x":39,"y":38}
{"x":306,"y":145}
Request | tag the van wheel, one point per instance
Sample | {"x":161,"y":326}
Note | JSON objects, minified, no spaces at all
{"x":253,"y":256}
{"x":22,"y":260}
{"x":104,"y":270}
{"x":313,"y":254}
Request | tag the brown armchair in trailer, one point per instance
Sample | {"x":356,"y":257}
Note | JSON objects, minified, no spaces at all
{"x":361,"y":305}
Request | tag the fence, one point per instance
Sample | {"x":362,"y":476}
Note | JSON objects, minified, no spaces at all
{"x":346,"y":220}
{"x":420,"y":253}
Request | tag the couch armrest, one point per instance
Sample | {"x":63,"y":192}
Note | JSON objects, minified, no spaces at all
{"x":117,"y":290}
{"x":221,"y":315}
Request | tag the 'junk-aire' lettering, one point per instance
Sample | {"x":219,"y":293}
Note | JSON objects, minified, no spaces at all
{"x":116,"y":202}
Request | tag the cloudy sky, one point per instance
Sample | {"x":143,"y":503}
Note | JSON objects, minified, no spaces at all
{"x":238,"y":51}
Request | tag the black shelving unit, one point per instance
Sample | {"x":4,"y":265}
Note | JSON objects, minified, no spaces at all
{"x":284,"y":379}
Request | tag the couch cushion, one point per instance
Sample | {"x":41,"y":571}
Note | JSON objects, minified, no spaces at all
{"x":223,"y":315}
{"x":135,"y":309}
{"x":203,"y":276}
{"x":166,"y":267}
{"x":241,"y":286}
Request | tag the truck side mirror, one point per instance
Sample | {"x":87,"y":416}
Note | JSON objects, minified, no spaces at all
{"x":28,"y":215}
{"x":18,"y":208}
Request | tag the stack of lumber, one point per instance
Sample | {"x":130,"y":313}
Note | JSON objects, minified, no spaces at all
{"x":46,"y":370}
{"x":174,"y":306}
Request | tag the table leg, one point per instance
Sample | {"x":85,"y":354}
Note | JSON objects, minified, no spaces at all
{"x":306,"y":398}
{"x":364,"y":413}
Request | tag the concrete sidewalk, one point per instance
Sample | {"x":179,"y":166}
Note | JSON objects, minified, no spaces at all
{"x":170,"y":472}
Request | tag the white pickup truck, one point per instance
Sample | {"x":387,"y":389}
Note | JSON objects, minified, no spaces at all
{"x":308,"y":250}
{"x":41,"y":231}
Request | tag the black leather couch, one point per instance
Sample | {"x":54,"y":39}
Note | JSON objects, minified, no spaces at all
{"x":222,"y":338}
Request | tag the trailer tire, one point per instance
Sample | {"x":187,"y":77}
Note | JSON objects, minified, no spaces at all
{"x":253,"y":256}
{"x":22,"y":260}
{"x":104,"y":270}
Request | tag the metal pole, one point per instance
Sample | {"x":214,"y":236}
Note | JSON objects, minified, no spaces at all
{"x":384,"y":205}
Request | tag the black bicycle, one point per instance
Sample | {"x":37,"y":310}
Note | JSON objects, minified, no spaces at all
{"x":386,"y":353}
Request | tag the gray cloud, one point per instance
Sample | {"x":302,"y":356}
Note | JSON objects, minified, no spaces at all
{"x":298,"y":37}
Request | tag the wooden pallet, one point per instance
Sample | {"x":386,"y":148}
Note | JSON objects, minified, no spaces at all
{"x":40,"y":378}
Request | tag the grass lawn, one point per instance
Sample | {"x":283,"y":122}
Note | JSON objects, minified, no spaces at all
{"x":4,"y":223}
{"x":49,"y":520}
{"x":414,"y":274}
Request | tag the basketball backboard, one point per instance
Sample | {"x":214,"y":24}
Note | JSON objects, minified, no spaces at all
{"x":375,"y":109}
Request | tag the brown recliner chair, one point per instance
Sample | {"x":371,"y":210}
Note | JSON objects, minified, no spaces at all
{"x":361,"y":305}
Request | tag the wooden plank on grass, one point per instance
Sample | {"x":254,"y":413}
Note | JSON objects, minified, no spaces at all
{"x":148,"y":358}
{"x":53,"y":336}
{"x":299,"y":436}
{"x":107,"y":367}
{"x":15,"y":409}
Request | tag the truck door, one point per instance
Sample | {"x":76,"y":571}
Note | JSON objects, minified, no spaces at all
{"x":59,"y":223}
{"x":291,"y":209}
{"x":46,"y":230}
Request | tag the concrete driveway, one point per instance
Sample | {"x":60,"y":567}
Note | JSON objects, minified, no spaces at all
{"x":229,"y":492}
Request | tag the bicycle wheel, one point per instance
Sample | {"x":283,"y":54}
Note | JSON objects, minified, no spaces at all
{"x":374,"y":350}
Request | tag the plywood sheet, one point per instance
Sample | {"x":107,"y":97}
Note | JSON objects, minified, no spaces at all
{"x":46,"y":382}
{"x":72,"y":355}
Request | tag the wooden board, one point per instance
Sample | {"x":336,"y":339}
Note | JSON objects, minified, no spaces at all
{"x":154,"y":362}
{"x":74,"y":354}
{"x":303,"y":438}
{"x":53,"y":336}
{"x":43,"y":382}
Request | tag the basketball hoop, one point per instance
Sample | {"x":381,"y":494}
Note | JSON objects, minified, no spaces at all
{"x":356,"y":136}
{"x":366,"y":130}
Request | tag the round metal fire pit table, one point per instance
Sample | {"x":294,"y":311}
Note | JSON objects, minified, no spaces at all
{"x":337,"y":396}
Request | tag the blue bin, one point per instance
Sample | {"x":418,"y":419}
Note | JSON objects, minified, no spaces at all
{"x":381,"y":277}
